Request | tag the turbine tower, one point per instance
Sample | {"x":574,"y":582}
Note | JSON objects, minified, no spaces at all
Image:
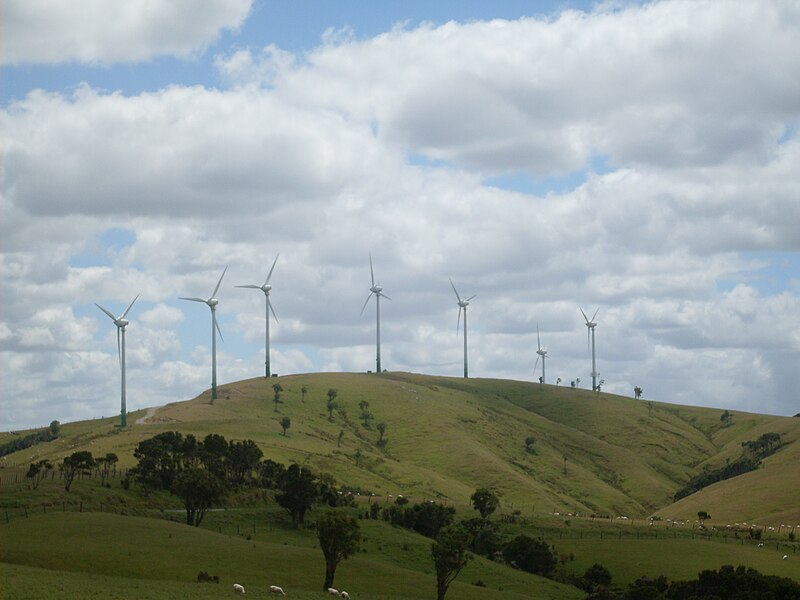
{"x":266,"y":288}
{"x":462,"y":305}
{"x":121,"y":322}
{"x":377,"y":291}
{"x":590,"y":324}
{"x":542,"y":354}
{"x":212,"y":303}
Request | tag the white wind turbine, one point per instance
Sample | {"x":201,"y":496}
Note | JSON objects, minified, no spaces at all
{"x":212,"y":303}
{"x":542,"y":354}
{"x":377,"y":291}
{"x":462,"y":306}
{"x":266,"y":288}
{"x":121,"y":322}
{"x":590,"y":324}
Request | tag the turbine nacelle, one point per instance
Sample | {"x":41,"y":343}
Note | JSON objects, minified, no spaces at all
{"x":541,"y":352}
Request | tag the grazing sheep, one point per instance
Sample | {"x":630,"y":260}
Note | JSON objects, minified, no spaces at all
{"x":334,"y":592}
{"x":238,"y":588}
{"x":785,"y":556}
{"x":761,"y":545}
{"x":274,"y":589}
{"x":345,"y":595}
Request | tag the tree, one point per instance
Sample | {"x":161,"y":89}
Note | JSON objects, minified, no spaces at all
{"x":381,"y":427}
{"x":242,"y":460}
{"x":77,"y":462}
{"x":485,"y":501}
{"x":726,"y":418}
{"x":529,"y":442}
{"x":531,"y":555}
{"x":303,"y":392}
{"x":286,"y":422}
{"x":637,"y":392}
{"x":365,"y":414}
{"x":702,"y":516}
{"x":558,"y":381}
{"x":277,"y":388}
{"x":55,"y":428}
{"x":104,"y":464}
{"x":331,"y":404}
{"x":649,"y":408}
{"x":596,"y":575}
{"x":339,"y":439}
{"x":161,"y":458}
{"x":199,"y":489}
{"x":339,"y":536}
{"x":299,"y":491}
{"x":449,"y":553}
{"x":38,"y":471}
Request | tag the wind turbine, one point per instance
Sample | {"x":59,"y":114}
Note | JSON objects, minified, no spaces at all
{"x":590,"y":324}
{"x":121,"y":322}
{"x":377,"y":291}
{"x":542,"y":354}
{"x":462,"y":305}
{"x":266,"y":289}
{"x":212,"y":303}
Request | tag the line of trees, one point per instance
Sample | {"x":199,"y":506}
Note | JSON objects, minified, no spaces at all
{"x":47,"y":434}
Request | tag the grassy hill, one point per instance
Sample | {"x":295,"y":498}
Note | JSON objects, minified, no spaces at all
{"x":594,"y":453}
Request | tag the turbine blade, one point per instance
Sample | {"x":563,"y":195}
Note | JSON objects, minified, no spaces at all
{"x":371,"y":272}
{"x":216,"y":289}
{"x":458,"y":321}
{"x":255,"y":287}
{"x":536,"y":364}
{"x":595,"y":313}
{"x":584,"y":314}
{"x":365,"y":303}
{"x":216,"y":325}
{"x":381,"y":294}
{"x":203,"y":300}
{"x":129,"y":307}
{"x":272,"y":269}
{"x":272,"y":309}
{"x":538,"y":341}
{"x":470,"y":298}
{"x":113,"y":318}
{"x":588,"y":336}
{"x":455,"y":290}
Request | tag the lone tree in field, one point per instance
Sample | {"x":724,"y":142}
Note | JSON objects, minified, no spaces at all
{"x":529,"y":442}
{"x":277,"y":388}
{"x":339,"y":536}
{"x":485,"y":501}
{"x":199,"y":489}
{"x":286,"y":422}
{"x":365,"y":414}
{"x":381,"y":427}
{"x":303,"y":392}
{"x":77,"y":462}
{"x":637,"y":392}
{"x":104,"y":464}
{"x":331,"y":404}
{"x":702,"y":516}
{"x":449,"y":553}
{"x":38,"y":471}
{"x":726,"y":418}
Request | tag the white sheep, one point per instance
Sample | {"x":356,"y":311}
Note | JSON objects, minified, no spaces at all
{"x":238,"y":588}
{"x":761,"y":545}
{"x":274,"y":589}
{"x":334,"y":592}
{"x":345,"y":595}
{"x":785,"y":556}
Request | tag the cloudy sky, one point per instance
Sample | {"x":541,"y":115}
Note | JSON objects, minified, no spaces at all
{"x":639,"y":159}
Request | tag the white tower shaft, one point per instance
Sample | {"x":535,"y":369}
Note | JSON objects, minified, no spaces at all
{"x":378,"y":333}
{"x":213,"y":353}
{"x":123,"y":416}
{"x":466,"y":369}
{"x":266,"y":342}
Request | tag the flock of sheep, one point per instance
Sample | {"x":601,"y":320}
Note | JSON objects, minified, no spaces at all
{"x":274,"y":589}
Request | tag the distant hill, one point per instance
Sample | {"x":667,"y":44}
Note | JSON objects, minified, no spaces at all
{"x":593,"y":453}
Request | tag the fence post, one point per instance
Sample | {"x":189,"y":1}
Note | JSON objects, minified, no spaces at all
{"x":81,"y":507}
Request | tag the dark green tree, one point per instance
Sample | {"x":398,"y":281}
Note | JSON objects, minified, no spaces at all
{"x":299,"y":490}
{"x":55,"y":428}
{"x":485,"y":501}
{"x":38,"y":471}
{"x":381,"y":427}
{"x":243,"y":461}
{"x":702,"y":516}
{"x":529,"y":443}
{"x":104,"y":465}
{"x":160,"y":459}
{"x":449,"y":553}
{"x":77,"y":462}
{"x":530,"y":554}
{"x":595,"y":576}
{"x":303,"y":392}
{"x":199,"y":489}
{"x":365,"y":414}
{"x":286,"y":422}
{"x":339,"y":536}
{"x":331,"y":403}
{"x":277,"y":388}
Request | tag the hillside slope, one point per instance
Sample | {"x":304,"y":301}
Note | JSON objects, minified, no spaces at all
{"x":593,"y":454}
